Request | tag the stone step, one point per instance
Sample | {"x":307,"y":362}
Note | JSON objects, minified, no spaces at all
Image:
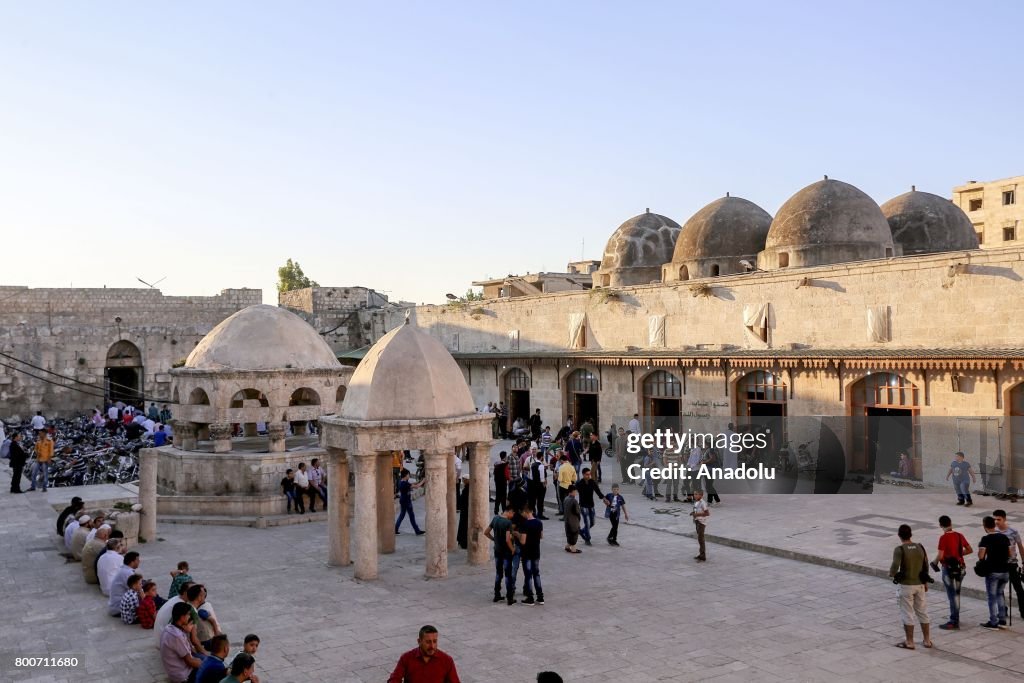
{"x":258,"y":522}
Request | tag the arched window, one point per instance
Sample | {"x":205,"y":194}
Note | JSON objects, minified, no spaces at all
{"x":661,"y":384}
{"x":684,"y":273}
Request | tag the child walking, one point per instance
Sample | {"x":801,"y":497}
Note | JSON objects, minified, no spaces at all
{"x":615,"y":505}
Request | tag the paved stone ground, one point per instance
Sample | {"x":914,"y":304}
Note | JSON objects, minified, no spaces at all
{"x":642,"y":612}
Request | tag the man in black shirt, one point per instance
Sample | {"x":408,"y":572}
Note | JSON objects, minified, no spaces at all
{"x":530,"y":531}
{"x":71,"y":510}
{"x":594,"y":452}
{"x":535,"y":425}
{"x":587,"y":487}
{"x":994,"y":555}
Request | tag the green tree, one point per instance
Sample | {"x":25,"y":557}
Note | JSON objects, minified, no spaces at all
{"x":472,"y":296}
{"x":290,"y":276}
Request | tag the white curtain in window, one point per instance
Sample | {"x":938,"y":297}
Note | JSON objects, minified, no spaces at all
{"x":656,"y":331}
{"x":755,"y":319}
{"x":513,"y":340}
{"x":878,"y":324}
{"x":577,"y":331}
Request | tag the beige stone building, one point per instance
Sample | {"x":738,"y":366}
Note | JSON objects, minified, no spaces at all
{"x":815,"y":326}
{"x":995,"y":208}
{"x":578,"y":276}
{"x":65,"y":351}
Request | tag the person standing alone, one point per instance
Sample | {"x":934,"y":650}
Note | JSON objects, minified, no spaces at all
{"x":405,"y":502}
{"x":18,"y":459}
{"x":41,"y":467}
{"x":700,"y":516}
{"x":963,"y":476}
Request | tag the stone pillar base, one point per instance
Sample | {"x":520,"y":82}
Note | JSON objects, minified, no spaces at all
{"x":220,"y":433}
{"x":275,"y":436}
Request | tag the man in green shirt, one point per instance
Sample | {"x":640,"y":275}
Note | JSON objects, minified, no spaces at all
{"x":908,"y":559}
{"x":241,"y":669}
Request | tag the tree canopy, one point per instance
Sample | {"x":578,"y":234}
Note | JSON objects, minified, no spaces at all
{"x":290,"y":276}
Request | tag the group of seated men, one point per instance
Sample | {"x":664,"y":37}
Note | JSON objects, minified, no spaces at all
{"x":193,"y":648}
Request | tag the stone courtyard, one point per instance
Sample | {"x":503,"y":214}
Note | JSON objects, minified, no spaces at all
{"x":642,"y":612}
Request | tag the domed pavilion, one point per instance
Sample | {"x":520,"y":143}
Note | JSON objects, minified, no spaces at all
{"x":406,"y":393}
{"x":246,"y":395}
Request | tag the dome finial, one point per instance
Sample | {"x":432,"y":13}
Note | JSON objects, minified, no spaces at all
{"x":826,"y":177}
{"x":726,"y":194}
{"x":407,"y":312}
{"x":913,"y":188}
{"x":647,"y":210}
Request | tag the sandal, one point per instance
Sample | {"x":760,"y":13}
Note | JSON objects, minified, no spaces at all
{"x":929,"y":644}
{"x":905,"y":646}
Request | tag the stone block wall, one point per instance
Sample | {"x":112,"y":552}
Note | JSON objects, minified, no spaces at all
{"x":348,"y":318}
{"x":70,"y":331}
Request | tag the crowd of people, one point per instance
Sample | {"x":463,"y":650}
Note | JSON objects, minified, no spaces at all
{"x":193,"y":647}
{"x":305,"y":484}
{"x":999,"y":552}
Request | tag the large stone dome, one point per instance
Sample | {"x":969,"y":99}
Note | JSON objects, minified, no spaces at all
{"x":925,"y":223}
{"x":407,"y":375}
{"x":262,"y":338}
{"x":717,"y":237}
{"x":826,"y":222}
{"x":636,"y":251}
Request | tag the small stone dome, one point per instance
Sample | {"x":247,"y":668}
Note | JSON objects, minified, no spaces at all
{"x":407,"y":375}
{"x":925,"y":223}
{"x":637,"y":250}
{"x":262,"y":338}
{"x":826,"y":222}
{"x":717,"y":237}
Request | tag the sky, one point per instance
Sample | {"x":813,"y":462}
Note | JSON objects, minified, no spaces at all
{"x":414,"y":147}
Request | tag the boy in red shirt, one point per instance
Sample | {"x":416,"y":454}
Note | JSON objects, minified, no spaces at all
{"x":952,"y":548}
{"x":146,"y":611}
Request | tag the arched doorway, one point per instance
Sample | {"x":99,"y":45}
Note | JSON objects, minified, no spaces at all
{"x":884,"y":409}
{"x":517,"y":396}
{"x":581,"y":389}
{"x":249,"y":398}
{"x":123,"y":373}
{"x":761,"y":406}
{"x":303,"y":397}
{"x":1016,"y":402}
{"x":662,"y":401}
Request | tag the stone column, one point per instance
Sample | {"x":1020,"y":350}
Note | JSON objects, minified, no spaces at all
{"x":453,"y":521}
{"x":366,"y":516}
{"x":479,"y":501}
{"x":338,"y":538}
{"x":220,"y":433}
{"x":385,"y":504}
{"x":275,"y":436}
{"x":185,"y":435}
{"x":147,"y":493}
{"x":436,"y":465}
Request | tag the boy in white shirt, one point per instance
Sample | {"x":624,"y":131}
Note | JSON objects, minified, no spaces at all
{"x":700,"y":516}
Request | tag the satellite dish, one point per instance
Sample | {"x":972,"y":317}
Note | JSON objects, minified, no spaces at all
{"x":451,"y":297}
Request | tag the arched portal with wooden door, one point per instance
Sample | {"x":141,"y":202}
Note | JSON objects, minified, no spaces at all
{"x":884,"y":411}
{"x":1015,"y":403}
{"x":582,"y":388}
{"x":761,"y":406}
{"x":123,"y":373}
{"x":516,"y":391}
{"x":662,"y":401}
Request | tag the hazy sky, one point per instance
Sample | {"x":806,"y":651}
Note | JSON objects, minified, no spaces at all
{"x":414,"y":147}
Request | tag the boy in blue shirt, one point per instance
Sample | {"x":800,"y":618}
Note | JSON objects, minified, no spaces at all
{"x":615,"y":505}
{"x":963,"y":477}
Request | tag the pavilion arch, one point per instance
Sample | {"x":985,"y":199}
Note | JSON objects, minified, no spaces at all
{"x":1015,"y":413}
{"x":661,"y":401}
{"x":198,"y":397}
{"x":249,"y":395}
{"x":884,"y":413}
{"x":684,"y":273}
{"x":339,"y":395}
{"x":761,"y":403}
{"x":516,"y":383}
{"x":304,"y":397}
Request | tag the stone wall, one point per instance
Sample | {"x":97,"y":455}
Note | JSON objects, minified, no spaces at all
{"x":70,"y":331}
{"x":946,"y":302}
{"x":348,"y":318}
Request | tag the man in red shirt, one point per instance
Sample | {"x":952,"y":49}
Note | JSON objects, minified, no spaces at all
{"x":425,"y":664}
{"x":952,"y":548}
